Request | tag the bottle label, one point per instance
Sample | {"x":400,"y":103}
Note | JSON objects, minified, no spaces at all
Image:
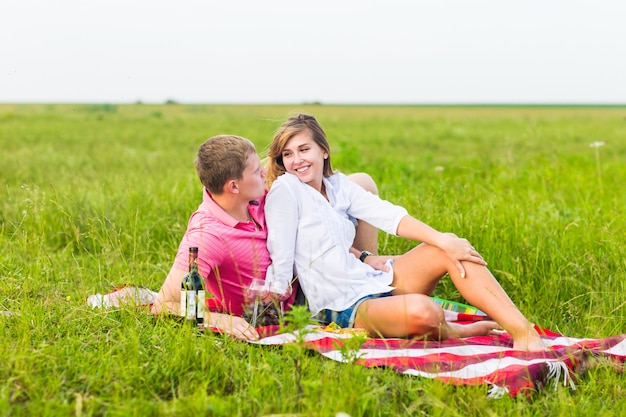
{"x":183,"y":303}
{"x":200,"y":314}
{"x":191,"y":304}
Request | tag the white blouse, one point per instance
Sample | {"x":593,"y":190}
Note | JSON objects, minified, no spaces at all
{"x":310,"y":237}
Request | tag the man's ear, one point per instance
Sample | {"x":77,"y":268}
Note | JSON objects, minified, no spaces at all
{"x":231,"y":187}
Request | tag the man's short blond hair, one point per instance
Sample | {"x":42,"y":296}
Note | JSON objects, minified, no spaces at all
{"x":222,"y":158}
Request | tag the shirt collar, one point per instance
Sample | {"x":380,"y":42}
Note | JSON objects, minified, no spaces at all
{"x":255,"y":208}
{"x":330,"y":189}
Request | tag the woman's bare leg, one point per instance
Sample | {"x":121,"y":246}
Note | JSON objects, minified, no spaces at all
{"x":481,"y":289}
{"x":366,"y":235}
{"x":419,"y":271}
{"x":413,"y":315}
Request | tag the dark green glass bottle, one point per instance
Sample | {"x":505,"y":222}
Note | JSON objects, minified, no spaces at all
{"x":192,"y":292}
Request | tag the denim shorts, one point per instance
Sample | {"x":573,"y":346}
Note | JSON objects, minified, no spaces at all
{"x":345,"y":318}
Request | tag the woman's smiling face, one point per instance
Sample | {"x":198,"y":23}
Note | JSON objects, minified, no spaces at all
{"x":303,"y":157}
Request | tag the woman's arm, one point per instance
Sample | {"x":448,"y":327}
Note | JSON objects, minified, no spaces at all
{"x":369,"y":207}
{"x":281,"y":218}
{"x":458,"y":249}
{"x":395,"y":219}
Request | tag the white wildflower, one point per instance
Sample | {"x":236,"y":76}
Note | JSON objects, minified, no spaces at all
{"x":596,"y":144}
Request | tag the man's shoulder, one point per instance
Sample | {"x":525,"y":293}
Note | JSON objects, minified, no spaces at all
{"x":202,"y":217}
{"x":206,"y":226}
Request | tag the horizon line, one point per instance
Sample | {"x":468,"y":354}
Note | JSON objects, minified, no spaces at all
{"x":170,"y":102}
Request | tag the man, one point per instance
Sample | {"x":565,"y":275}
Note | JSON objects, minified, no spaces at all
{"x":229,"y":230}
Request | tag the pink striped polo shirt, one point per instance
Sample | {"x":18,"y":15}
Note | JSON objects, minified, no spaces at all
{"x":231,"y":253}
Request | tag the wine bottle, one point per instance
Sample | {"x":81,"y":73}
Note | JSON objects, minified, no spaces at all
{"x":194,"y":291}
{"x":183,"y":296}
{"x":198,"y":286}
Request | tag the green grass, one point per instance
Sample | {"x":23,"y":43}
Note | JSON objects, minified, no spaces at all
{"x":96,"y":196}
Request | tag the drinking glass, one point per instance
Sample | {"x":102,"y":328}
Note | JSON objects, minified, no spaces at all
{"x":258,"y":291}
{"x":282,"y":291}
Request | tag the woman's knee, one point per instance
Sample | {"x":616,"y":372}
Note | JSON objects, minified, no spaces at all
{"x":423,"y":314}
{"x":420,"y":270}
{"x":438,"y":257}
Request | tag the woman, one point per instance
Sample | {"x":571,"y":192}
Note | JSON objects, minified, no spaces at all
{"x":309,"y":213}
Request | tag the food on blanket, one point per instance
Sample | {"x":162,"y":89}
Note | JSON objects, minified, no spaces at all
{"x":334,"y":328}
{"x":356,"y":331}
{"x":331,"y":327}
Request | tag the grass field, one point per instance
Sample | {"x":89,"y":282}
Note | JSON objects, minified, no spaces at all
{"x":96,"y":196}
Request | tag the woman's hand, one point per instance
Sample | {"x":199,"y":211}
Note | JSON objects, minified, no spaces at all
{"x":460,"y":249}
{"x":456,"y":248}
{"x":379,"y":262}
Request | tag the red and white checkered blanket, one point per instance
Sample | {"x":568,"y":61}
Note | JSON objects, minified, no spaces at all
{"x":481,"y":360}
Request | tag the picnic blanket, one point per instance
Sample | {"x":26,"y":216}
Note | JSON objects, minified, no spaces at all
{"x":482,"y":360}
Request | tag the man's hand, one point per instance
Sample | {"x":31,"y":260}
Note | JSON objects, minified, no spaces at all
{"x":233,"y":325}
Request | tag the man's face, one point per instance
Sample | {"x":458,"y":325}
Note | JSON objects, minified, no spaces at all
{"x":252,"y":184}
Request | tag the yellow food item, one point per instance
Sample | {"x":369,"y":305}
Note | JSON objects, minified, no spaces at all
{"x":355,"y":331}
{"x":334,"y":328}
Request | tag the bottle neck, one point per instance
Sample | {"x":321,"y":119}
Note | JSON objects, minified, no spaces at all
{"x":193,"y":260}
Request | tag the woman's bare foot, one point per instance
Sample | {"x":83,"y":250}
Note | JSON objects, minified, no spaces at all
{"x":528,"y":341}
{"x":480,"y":328}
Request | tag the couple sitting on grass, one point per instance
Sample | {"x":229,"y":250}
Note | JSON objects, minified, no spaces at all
{"x":321,"y":226}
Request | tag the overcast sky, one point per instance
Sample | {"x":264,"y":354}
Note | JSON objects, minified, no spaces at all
{"x":331,"y":51}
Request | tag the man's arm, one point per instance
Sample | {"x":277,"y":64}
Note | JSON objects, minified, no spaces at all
{"x":168,"y":301}
{"x":233,"y":325}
